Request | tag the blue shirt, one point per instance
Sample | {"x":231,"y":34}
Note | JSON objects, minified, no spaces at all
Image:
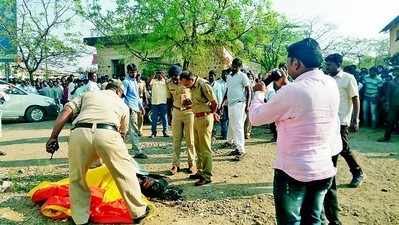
{"x":131,"y":91}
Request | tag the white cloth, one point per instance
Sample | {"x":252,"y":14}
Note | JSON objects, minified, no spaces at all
{"x":92,"y":86}
{"x":348,"y":89}
{"x":235,"y":132}
{"x":71,"y":87}
{"x":236,"y":87}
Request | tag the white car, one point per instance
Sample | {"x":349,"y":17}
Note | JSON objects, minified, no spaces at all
{"x":21,"y":104}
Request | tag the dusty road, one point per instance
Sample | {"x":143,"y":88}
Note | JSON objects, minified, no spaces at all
{"x":240,"y":194}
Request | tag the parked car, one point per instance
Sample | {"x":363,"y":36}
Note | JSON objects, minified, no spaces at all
{"x":28,"y":106}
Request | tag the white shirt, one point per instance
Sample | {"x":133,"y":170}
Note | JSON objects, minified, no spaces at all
{"x":71,"y":87}
{"x":236,"y":85}
{"x":219,"y":89}
{"x":348,"y":89}
{"x":92,"y":86}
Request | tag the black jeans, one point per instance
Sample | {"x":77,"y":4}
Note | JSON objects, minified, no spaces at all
{"x":331,"y":200}
{"x":298,"y":203}
{"x":346,"y":153}
{"x":392,"y":118}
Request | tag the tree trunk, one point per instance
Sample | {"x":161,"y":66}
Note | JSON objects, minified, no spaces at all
{"x":31,"y":76}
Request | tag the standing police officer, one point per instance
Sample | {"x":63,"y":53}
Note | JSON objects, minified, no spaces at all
{"x":204,"y":106}
{"x":182,"y":120}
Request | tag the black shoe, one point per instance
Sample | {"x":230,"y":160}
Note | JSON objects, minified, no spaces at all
{"x":234,"y":152}
{"x":165,"y":134}
{"x":140,"y":156}
{"x":239,"y":157}
{"x":226,"y":145}
{"x":383,"y":140}
{"x":202,"y":181}
{"x":195,"y":176}
{"x":140,"y":219}
{"x":153,"y":135}
{"x":357,"y":180}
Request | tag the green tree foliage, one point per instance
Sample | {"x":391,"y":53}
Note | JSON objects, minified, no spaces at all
{"x":266,"y":44}
{"x":37,"y":37}
{"x":188,"y":31}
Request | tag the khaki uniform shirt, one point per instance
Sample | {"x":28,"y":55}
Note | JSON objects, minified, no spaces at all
{"x":101,"y":107}
{"x":201,"y":95}
{"x":178,"y":93}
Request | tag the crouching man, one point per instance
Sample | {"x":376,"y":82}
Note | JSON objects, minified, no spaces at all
{"x":101,"y":123}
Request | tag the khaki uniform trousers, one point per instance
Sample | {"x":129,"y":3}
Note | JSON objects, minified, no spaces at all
{"x":140,"y":122}
{"x":183,"y":125}
{"x":85,"y":145}
{"x":202,"y":142}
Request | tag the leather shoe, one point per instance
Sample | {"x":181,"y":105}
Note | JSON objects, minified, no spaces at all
{"x":202,"y":181}
{"x":140,"y":219}
{"x":234,"y":152}
{"x":357,"y":180}
{"x":383,"y":140}
{"x":195,"y":176}
{"x":174,"y":170}
{"x":140,"y":156}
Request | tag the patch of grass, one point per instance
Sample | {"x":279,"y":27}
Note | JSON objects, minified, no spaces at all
{"x":23,"y":184}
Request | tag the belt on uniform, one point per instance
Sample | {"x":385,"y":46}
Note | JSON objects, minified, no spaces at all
{"x":201,"y":114}
{"x":98,"y":126}
{"x":181,"y":108}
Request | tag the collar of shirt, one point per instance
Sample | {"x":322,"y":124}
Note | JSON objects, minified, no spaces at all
{"x":310,"y":73}
{"x":196,"y":83}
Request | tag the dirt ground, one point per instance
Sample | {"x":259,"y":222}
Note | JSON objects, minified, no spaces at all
{"x":241,"y":192}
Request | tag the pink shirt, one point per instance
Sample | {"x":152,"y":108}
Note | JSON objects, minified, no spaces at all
{"x":306,"y":116}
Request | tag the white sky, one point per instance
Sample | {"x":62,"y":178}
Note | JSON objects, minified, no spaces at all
{"x":353,"y":18}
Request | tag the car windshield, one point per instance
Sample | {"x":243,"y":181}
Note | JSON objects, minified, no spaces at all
{"x":11,"y":89}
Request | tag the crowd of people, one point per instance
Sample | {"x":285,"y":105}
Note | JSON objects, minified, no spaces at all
{"x":310,"y":104}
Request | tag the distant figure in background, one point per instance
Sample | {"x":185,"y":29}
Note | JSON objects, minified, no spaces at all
{"x":238,"y":97}
{"x":159,"y":108}
{"x":71,"y":86}
{"x":247,"y":123}
{"x":143,"y":95}
{"x":46,"y":90}
{"x":372,"y":84}
{"x":392,"y":104}
{"x":219,"y":89}
{"x":92,"y":84}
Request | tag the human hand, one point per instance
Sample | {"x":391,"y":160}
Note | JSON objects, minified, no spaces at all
{"x":260,"y":86}
{"x":216,"y":117}
{"x":52,"y":146}
{"x":354,"y":127}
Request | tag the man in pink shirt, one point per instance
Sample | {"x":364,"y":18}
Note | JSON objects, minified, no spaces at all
{"x":306,"y":115}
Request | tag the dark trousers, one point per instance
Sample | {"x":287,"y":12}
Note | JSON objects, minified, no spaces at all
{"x":160,"y":110}
{"x":331,"y":200}
{"x":346,"y":153}
{"x":392,"y":118}
{"x":224,"y":121}
{"x":298,"y":203}
{"x":273,"y":129}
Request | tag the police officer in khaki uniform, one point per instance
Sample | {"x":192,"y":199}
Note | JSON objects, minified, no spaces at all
{"x":204,"y":107}
{"x":101,"y":123}
{"x":182,"y":120}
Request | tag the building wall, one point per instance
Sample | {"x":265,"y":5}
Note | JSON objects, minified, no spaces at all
{"x":105,"y":55}
{"x":394,"y":40}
